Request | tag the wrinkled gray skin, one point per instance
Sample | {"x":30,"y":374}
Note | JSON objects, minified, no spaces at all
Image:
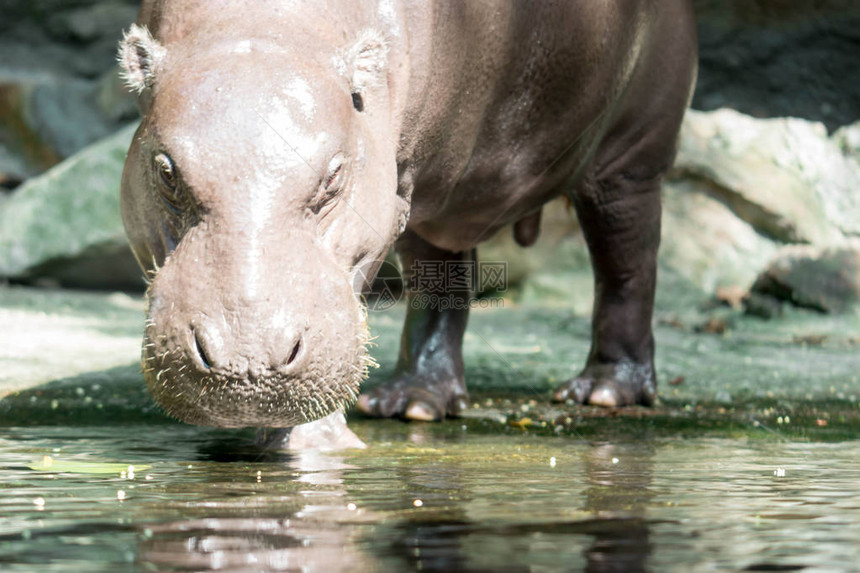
{"x":285,"y":146}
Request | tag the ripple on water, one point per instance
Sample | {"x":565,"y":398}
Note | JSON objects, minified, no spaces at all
{"x":419,"y":499}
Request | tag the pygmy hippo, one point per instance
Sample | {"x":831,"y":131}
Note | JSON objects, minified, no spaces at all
{"x":286,"y":145}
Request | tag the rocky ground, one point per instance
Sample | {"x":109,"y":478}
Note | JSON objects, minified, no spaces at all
{"x":72,"y":358}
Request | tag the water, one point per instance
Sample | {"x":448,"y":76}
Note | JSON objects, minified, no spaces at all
{"x":431,"y":497}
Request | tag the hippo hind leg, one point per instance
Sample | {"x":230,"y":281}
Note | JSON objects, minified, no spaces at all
{"x":428,"y":383}
{"x":618,"y":205}
{"x":620,"y":217}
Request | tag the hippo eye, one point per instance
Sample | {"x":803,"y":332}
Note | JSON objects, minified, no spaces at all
{"x":167,"y":174}
{"x":357,"y":101}
{"x":334,"y":177}
{"x":331,"y":185}
{"x":165,"y":170}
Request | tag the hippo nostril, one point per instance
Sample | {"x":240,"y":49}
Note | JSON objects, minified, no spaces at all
{"x":295,"y":352}
{"x":201,"y":352}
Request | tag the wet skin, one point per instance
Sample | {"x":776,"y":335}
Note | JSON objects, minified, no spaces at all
{"x":273,"y":171}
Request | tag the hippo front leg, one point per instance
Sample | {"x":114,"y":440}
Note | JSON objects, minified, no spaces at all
{"x":428,"y":383}
{"x":620,"y":217}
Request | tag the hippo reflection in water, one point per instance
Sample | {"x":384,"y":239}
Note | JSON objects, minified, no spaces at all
{"x":285,"y":146}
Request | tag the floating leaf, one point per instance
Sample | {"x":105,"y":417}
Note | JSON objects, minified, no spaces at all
{"x":49,"y":464}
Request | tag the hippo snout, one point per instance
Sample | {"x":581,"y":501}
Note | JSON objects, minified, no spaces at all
{"x":225,"y":348}
{"x":212,"y":347}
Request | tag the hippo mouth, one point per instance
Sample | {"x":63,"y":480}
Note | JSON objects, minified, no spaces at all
{"x":197,"y":392}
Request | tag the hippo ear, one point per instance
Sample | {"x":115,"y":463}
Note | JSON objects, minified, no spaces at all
{"x":140,"y":56}
{"x":364,"y":64}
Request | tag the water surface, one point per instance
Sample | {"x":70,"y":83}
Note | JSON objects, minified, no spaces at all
{"x":430,"y":497}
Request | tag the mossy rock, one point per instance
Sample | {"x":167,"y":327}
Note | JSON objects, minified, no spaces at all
{"x":65,"y":225}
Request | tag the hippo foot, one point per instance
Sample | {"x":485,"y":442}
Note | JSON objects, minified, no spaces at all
{"x":326,"y":434}
{"x":611,"y":385}
{"x":414,"y":398}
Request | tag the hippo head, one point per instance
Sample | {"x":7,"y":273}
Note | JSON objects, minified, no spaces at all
{"x":259,"y":190}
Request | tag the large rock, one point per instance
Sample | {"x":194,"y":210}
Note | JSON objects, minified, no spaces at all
{"x":744,"y":188}
{"x":783,"y":176}
{"x":705,"y":242}
{"x":65,"y":225}
{"x":826,"y":280}
{"x":46,"y":118}
{"x":58,"y":90}
{"x":848,"y":140}
{"x":67,"y":37}
{"x":95,"y":23}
